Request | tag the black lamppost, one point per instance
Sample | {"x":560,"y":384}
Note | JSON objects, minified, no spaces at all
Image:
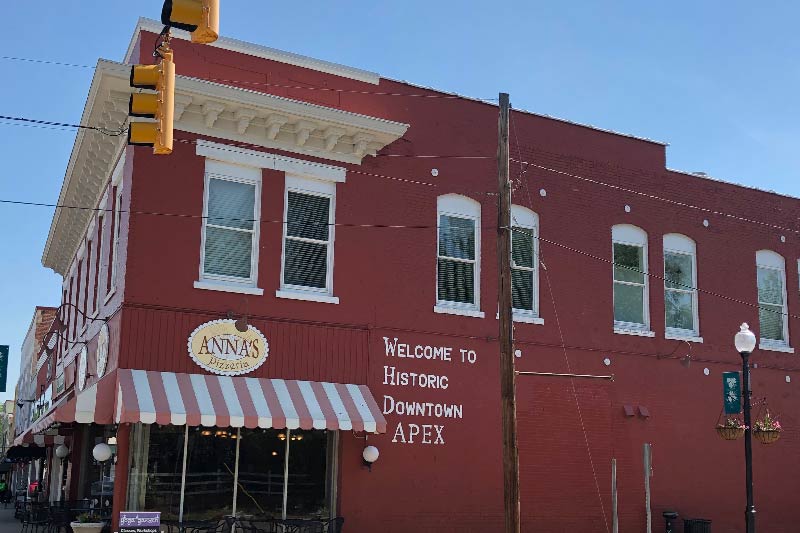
{"x":745,"y":343}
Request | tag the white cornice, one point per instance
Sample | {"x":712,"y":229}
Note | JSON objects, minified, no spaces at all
{"x":243,"y":115}
{"x":208,"y":109}
{"x":263,"y":52}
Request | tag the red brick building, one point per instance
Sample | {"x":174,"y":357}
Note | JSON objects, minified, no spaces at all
{"x":299,"y":202}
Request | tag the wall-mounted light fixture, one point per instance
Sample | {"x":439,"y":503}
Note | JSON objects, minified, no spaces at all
{"x":370,"y":455}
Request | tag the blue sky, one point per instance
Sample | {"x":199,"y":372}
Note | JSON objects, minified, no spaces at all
{"x":716,"y":80}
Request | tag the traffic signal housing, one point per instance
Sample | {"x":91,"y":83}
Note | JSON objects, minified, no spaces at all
{"x":159,"y":105}
{"x":200,"y":17}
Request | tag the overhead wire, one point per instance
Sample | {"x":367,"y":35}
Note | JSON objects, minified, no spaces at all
{"x":279,"y":85}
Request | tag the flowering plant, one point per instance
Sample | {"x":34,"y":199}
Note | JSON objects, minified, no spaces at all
{"x":768,"y":423}
{"x":732,"y":422}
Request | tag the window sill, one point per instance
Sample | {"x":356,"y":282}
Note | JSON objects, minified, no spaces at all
{"x":210,"y":286}
{"x":307,"y":296}
{"x":460,"y":311}
{"x":636,"y":332}
{"x":681,"y":337}
{"x":775,"y":347}
{"x":525,"y":318}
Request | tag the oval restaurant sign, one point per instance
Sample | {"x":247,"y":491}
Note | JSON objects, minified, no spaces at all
{"x":222,"y":349}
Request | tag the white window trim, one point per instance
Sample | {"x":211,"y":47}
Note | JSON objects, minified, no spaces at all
{"x":672,"y":245}
{"x":229,"y":283}
{"x":446,"y":304}
{"x":678,"y":335}
{"x":768,"y":260}
{"x":460,"y":311}
{"x":116,"y":181}
{"x":311,"y":187}
{"x":639,"y":332}
{"x":627,"y":238}
{"x":526,"y":219}
{"x":227,"y":287}
{"x":524,"y":317}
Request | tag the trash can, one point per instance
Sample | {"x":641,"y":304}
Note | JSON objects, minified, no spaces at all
{"x":696,"y":525}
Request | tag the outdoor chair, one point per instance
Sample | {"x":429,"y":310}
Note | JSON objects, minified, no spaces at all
{"x":35,"y":518}
{"x":277,"y":525}
{"x":59,"y":519}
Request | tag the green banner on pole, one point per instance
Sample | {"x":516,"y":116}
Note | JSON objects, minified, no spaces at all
{"x":3,"y":367}
{"x":732,"y":392}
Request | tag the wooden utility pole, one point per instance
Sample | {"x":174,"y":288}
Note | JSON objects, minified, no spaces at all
{"x":507,"y":377}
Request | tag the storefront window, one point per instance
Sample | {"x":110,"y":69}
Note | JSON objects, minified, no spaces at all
{"x":156,"y":468}
{"x":209,"y":473}
{"x":157,"y":462}
{"x":307,"y":474}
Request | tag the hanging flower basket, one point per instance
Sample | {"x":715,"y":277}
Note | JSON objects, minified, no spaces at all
{"x":767,"y":436}
{"x":730,"y":432}
{"x":768,"y":429}
{"x":731,"y":428}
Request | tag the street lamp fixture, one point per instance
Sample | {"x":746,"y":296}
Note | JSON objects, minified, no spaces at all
{"x":745,"y":343}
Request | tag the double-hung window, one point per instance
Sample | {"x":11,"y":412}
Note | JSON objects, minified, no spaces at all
{"x":631,"y":309}
{"x":772,"y":308}
{"x":308,"y":233}
{"x":229,"y":254}
{"x":458,"y":256}
{"x":524,"y":264}
{"x":680,"y":287}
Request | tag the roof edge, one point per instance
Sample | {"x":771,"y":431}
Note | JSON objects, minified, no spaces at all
{"x":256,"y":50}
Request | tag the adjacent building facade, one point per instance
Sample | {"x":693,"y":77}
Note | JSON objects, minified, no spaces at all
{"x":313,"y":271}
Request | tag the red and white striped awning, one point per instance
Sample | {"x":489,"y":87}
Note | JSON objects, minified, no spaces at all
{"x":210,"y":400}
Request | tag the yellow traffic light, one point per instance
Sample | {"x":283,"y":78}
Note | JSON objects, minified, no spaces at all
{"x":159,"y":105}
{"x":200,"y":17}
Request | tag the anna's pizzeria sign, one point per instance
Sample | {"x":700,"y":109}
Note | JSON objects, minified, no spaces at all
{"x":222,"y":349}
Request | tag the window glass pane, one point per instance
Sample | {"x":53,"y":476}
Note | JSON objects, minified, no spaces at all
{"x":228,"y":252}
{"x":456,"y":237}
{"x":306,"y":264}
{"x":261,"y":459}
{"x":211,"y":459}
{"x":307,"y":495}
{"x":678,"y":306}
{"x":770,"y":286}
{"x":628,"y":263}
{"x":522,"y":247}
{"x":456,"y":281}
{"x":770,"y":319}
{"x":307,"y":216}
{"x":678,"y":271}
{"x":629,"y":303}
{"x":522,"y":289}
{"x":231,"y":204}
{"x":155,"y":479}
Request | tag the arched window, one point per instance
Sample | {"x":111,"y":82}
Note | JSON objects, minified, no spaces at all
{"x":680,"y":287}
{"x":524,"y":263}
{"x":772,"y":308}
{"x":631,"y":309}
{"x":458,"y":256}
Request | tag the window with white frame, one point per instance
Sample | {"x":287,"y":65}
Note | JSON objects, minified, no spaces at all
{"x":524,"y":261}
{"x":231,"y":206}
{"x":680,"y":286}
{"x":631,"y":309}
{"x":308,"y":230}
{"x":115,"y":192}
{"x":458,"y":256}
{"x":772,"y":308}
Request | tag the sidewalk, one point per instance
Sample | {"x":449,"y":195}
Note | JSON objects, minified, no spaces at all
{"x":8,"y":524}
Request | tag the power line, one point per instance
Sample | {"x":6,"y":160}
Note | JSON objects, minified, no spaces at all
{"x":25,"y":120}
{"x":277,"y":85}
